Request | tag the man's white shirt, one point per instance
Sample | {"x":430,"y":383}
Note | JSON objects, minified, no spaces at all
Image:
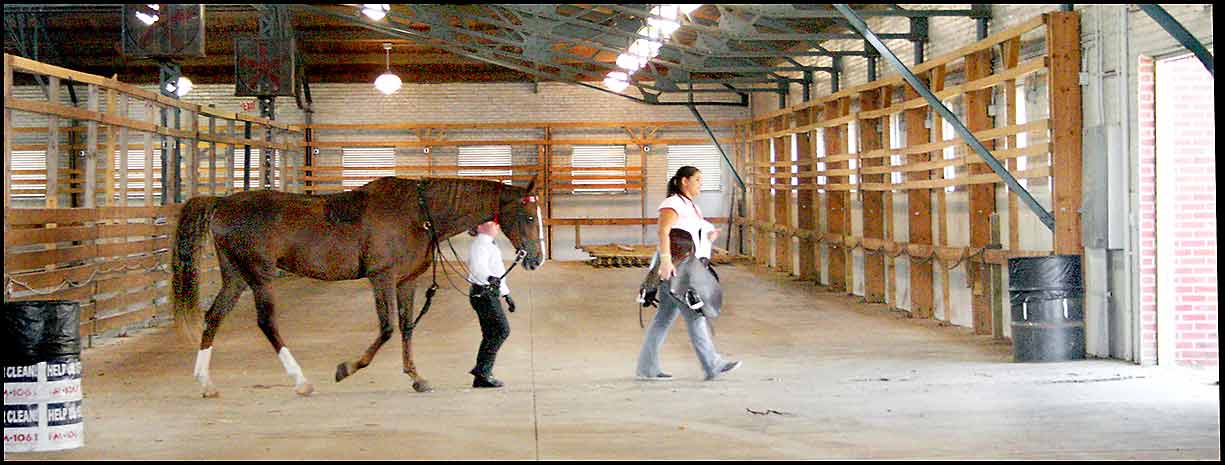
{"x":485,"y":260}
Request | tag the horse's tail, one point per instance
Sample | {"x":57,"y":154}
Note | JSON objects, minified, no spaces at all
{"x":189,"y":236}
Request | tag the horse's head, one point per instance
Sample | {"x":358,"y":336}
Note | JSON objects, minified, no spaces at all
{"x":519,"y":216}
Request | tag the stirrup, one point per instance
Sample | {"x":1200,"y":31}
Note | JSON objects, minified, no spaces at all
{"x":693,"y":301}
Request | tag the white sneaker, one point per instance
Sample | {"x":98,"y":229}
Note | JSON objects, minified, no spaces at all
{"x":659,"y":377}
{"x":727,"y":368}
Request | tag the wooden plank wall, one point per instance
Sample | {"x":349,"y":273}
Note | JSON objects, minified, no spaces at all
{"x":112,"y":258}
{"x":923,"y":176}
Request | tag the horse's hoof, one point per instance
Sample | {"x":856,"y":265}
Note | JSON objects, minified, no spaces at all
{"x":422,"y":386}
{"x":342,"y":371}
{"x":211,"y":392}
{"x":305,"y":390}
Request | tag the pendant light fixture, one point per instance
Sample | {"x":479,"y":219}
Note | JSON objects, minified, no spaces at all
{"x":387,"y":83}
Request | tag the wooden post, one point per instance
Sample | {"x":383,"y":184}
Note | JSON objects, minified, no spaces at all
{"x":108,"y":160}
{"x":997,"y":283}
{"x":764,"y":192}
{"x":873,"y":200}
{"x":283,"y":156}
{"x":212,"y":155}
{"x":835,"y":145}
{"x":231,"y":132}
{"x":1011,"y":54}
{"x":642,"y":171}
{"x":123,"y":153}
{"x":151,"y":117}
{"x":919,"y":210}
{"x":981,"y":196}
{"x":8,"y":139}
{"x":53,"y":145}
{"x":806,"y":197}
{"x":886,"y":136}
{"x":938,"y":75}
{"x":1063,"y":45}
{"x":548,"y":185}
{"x":91,"y":152}
{"x":193,"y":160}
{"x":782,"y":196}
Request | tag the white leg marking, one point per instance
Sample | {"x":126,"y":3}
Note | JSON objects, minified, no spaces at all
{"x":291,"y":367}
{"x":202,"y":360}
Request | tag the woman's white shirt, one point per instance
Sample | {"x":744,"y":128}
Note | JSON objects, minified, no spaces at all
{"x":689,"y":219}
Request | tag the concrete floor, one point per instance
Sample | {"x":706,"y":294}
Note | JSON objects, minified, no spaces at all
{"x":849,"y":380}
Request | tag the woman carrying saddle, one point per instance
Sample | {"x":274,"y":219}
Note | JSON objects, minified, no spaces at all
{"x":685,"y":240}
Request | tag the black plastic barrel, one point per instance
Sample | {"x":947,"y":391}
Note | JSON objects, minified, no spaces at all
{"x":42,"y":376}
{"x":1047,"y":296}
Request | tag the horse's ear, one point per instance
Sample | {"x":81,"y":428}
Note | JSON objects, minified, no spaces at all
{"x":531,"y":186}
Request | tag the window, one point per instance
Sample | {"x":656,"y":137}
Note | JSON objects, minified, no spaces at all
{"x":896,"y":134}
{"x":795,"y":156}
{"x":484,"y":157}
{"x":950,"y":152}
{"x":821,"y":180}
{"x":136,"y":173}
{"x":585,"y":161}
{"x":703,"y":157}
{"x":1022,"y":137}
{"x":29,"y":174}
{"x":360,"y":165}
{"x":773,"y":169}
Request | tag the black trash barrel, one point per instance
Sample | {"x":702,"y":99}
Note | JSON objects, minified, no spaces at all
{"x":1048,"y":308}
{"x":42,"y":376}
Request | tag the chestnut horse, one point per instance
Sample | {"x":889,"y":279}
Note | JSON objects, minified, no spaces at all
{"x":385,"y":231}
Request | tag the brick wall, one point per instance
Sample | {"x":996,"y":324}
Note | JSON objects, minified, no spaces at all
{"x":1186,"y":141}
{"x":1148,"y":211}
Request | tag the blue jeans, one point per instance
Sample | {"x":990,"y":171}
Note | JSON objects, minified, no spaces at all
{"x":699,"y":335}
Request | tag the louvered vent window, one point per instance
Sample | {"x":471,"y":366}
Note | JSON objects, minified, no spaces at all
{"x":29,"y":171}
{"x":485,"y":161}
{"x":598,"y":156}
{"x":703,"y":157}
{"x":365,"y":164}
{"x":136,"y":173}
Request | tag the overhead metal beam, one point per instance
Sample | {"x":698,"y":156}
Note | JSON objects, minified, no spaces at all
{"x":798,"y":13}
{"x":1180,"y":33}
{"x":935,"y":103}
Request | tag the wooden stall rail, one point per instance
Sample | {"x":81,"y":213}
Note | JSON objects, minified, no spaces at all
{"x":110,"y":133}
{"x":843,"y":147}
{"x":114,"y":261}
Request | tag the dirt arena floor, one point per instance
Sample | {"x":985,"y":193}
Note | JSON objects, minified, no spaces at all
{"x":829,"y":378}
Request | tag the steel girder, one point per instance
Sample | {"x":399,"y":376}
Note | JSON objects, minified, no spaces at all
{"x":935,"y":103}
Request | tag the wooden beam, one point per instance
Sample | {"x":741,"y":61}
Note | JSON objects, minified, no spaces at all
{"x":806,"y":204}
{"x":873,"y":201}
{"x":835,"y":143}
{"x":981,"y":196}
{"x":1063,"y":42}
{"x":762,"y":206}
{"x":919,"y":210}
{"x":782,"y":198}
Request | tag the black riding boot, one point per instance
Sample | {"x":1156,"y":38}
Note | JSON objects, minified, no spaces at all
{"x":495,"y":328}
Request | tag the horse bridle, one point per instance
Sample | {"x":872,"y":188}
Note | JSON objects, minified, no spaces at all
{"x":436,"y":249}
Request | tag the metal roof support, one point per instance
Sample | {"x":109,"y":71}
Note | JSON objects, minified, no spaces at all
{"x":935,"y":104}
{"x":919,"y":25}
{"x":834,"y":75}
{"x":807,"y":85}
{"x":1180,"y":33}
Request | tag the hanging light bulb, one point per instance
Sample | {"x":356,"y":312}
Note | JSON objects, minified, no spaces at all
{"x":146,"y":18}
{"x":617,"y":81}
{"x":688,"y":8}
{"x":629,"y":62}
{"x":663,"y":18}
{"x":183,"y":86}
{"x":375,"y":11}
{"x":388,"y":82}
